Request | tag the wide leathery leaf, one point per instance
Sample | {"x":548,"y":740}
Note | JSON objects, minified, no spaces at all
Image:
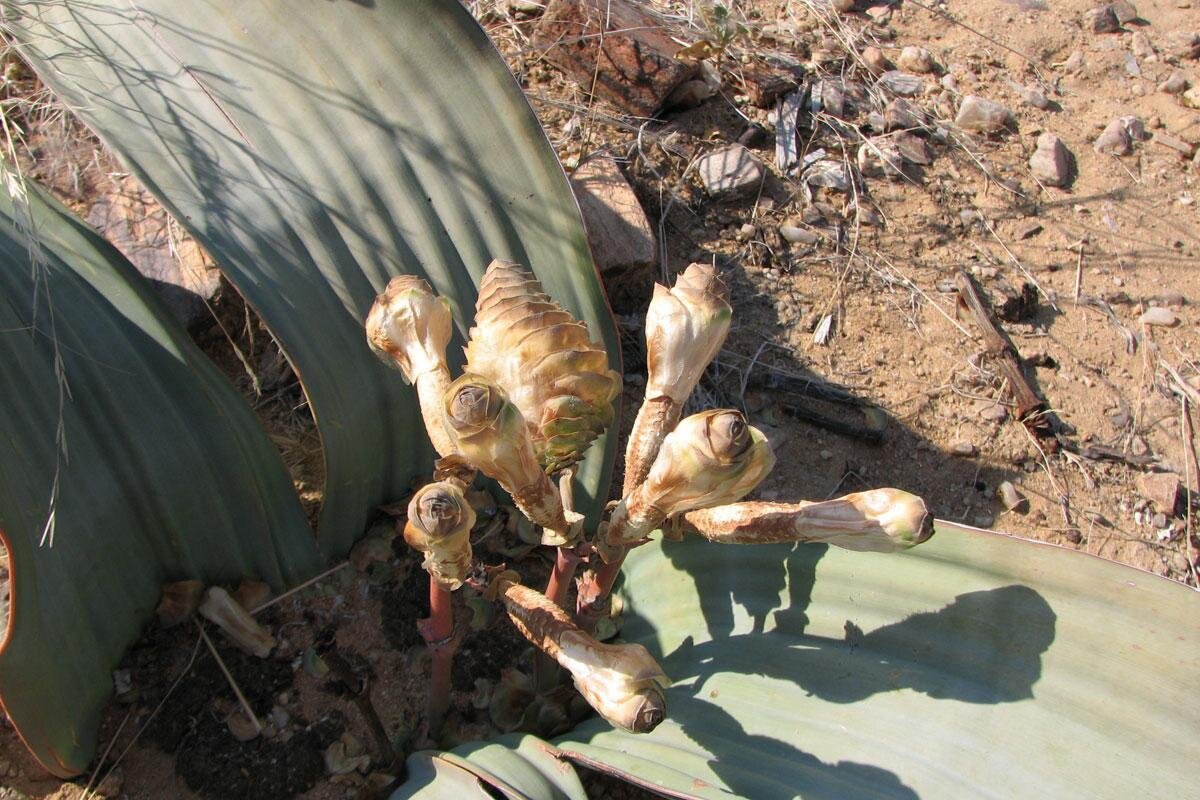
{"x":163,"y":473}
{"x":316,"y":150}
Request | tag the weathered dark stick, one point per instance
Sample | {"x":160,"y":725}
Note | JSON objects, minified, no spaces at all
{"x":360,"y":692}
{"x":1030,"y":407}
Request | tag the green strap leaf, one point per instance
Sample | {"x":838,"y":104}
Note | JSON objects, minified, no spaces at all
{"x":975,"y":665}
{"x":163,"y":474}
{"x":316,"y":155}
{"x":517,"y":766}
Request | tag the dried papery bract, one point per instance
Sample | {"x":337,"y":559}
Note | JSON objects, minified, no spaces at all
{"x":439,"y":526}
{"x":710,"y":459}
{"x":879,"y":520}
{"x":222,"y":610}
{"x":622,"y":682}
{"x":491,"y":433}
{"x":685,"y":328}
{"x":410,"y":326}
{"x":545,"y":360}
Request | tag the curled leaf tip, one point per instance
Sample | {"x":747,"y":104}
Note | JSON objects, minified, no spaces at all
{"x":439,"y":526}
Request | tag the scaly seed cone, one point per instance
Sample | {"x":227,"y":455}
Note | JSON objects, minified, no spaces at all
{"x":491,"y":433}
{"x":685,"y":328}
{"x":439,"y":526}
{"x":880,"y":520}
{"x":410,"y":326}
{"x":622,"y":682}
{"x":710,"y":459}
{"x":545,"y":361}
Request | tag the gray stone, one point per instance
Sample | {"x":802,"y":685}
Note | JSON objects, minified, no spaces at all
{"x":916,"y":59}
{"x":1177,"y":83}
{"x":979,"y":114}
{"x":1011,"y":498}
{"x":913,"y":149}
{"x":879,"y":157}
{"x":1183,"y":45}
{"x":1102,"y":20}
{"x":1124,"y":11}
{"x":1051,"y":161}
{"x":730,"y":171}
{"x":1033,"y":96}
{"x":797,"y":235}
{"x":1159,"y":316}
{"x":828,"y":174}
{"x":966,"y":449}
{"x":902,"y":114}
{"x":1139,"y":45}
{"x":875,"y":61}
{"x":619,"y":233}
{"x":902,"y":83}
{"x":1113,"y":140}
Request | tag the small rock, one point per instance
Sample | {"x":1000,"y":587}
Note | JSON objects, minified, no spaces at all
{"x":1051,"y":161}
{"x":1074,"y":62}
{"x":1011,"y":498}
{"x":798,"y":235}
{"x":916,"y":59}
{"x":1034,"y":96}
{"x":1029,"y":229}
{"x":1191,"y":98}
{"x":1139,"y":45}
{"x":1161,"y":489}
{"x":618,"y":231}
{"x":826,"y":455}
{"x":1102,"y":20}
{"x":1134,"y":70}
{"x":913,"y":149}
{"x":1124,"y":11}
{"x":902,"y":114}
{"x":242,"y":727}
{"x":1174,"y":143}
{"x":370,"y":550}
{"x":1114,"y":140}
{"x":984,"y":521}
{"x":828,"y":174}
{"x":730,"y":171}
{"x":902,"y":83}
{"x":1159,"y":316}
{"x":879,"y":156}
{"x":747,"y":232}
{"x":842,"y":6}
{"x":977,"y":113}
{"x":994,"y":413}
{"x":1181,"y":45}
{"x":1177,"y":83}
{"x":1159,"y":521}
{"x":875,"y":61}
{"x":966,"y":449}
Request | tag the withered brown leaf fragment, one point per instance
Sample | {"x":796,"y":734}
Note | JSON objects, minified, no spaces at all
{"x":685,"y":328}
{"x":622,"y":682}
{"x":710,"y":459}
{"x":410,"y":326}
{"x":879,"y":520}
{"x":546,"y":362}
{"x":439,"y":526}
{"x":490,"y":432}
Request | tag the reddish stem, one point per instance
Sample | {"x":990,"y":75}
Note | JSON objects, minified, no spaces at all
{"x":592,"y":600}
{"x":438,"y":632}
{"x":565,"y":563}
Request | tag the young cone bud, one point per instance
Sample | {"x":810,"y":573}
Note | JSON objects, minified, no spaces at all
{"x":491,"y":433}
{"x":880,"y":520}
{"x":622,"y":682}
{"x":439,"y":526}
{"x":685,"y":328}
{"x":410,"y":326}
{"x":710,"y":459}
{"x":545,"y":361}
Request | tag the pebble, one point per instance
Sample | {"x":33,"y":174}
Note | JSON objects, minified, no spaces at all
{"x":994,"y":413}
{"x":1139,"y":45}
{"x":878,"y":157}
{"x":1124,"y":11}
{"x":798,"y":235}
{"x":901,"y":114}
{"x":1051,"y":161}
{"x":984,"y":521}
{"x":842,"y":6}
{"x":1102,"y":20}
{"x":902,"y":83}
{"x":1029,"y":229}
{"x":1175,"y":143}
{"x":977,"y":113}
{"x":730,"y":171}
{"x":964,"y":449}
{"x":1114,"y":140}
{"x":1159,"y":316}
{"x":916,"y":59}
{"x":1177,"y":83}
{"x":1010,"y":497}
{"x":875,"y":60}
{"x":1034,"y":96}
{"x":1074,"y":62}
{"x":826,"y":455}
{"x":913,"y":149}
{"x":1191,"y":98}
{"x":1160,"y":488}
{"x":1160,"y":521}
{"x":747,"y":232}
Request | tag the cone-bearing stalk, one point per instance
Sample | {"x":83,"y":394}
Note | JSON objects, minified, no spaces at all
{"x":491,"y":433}
{"x":685,"y":328}
{"x":710,"y":459}
{"x":622,"y":682}
{"x":880,"y":520}
{"x":410,"y":326}
{"x":439,"y":526}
